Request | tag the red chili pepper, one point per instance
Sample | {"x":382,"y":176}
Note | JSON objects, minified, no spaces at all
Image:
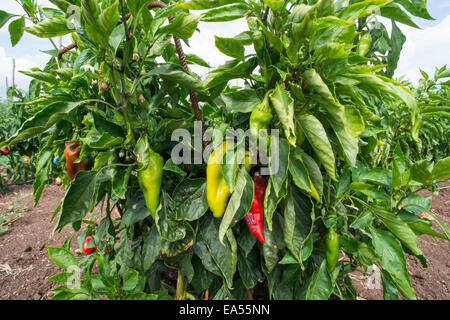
{"x":5,"y":151}
{"x":255,"y":217}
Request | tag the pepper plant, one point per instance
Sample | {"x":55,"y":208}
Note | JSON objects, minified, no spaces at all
{"x":309,"y":73}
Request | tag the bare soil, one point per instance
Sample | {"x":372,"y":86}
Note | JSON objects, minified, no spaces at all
{"x":24,"y":261}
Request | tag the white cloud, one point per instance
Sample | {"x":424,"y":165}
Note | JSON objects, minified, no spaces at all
{"x":202,"y":43}
{"x":424,"y":49}
{"x":24,"y":62}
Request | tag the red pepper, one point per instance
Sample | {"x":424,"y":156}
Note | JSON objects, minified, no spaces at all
{"x":255,"y":217}
{"x":5,"y":151}
{"x":86,"y":249}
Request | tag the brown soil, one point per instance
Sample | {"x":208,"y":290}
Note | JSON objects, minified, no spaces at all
{"x":24,"y":261}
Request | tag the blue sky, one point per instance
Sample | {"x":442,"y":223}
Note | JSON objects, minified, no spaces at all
{"x":426,"y":48}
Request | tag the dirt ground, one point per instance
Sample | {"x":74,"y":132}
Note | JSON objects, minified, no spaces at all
{"x":24,"y":262}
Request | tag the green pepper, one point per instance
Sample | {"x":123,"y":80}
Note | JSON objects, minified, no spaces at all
{"x":364,"y":44}
{"x":332,"y":248}
{"x":150,"y":169}
{"x":260,"y":118}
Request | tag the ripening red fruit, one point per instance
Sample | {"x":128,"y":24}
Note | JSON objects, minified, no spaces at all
{"x":87,"y":250}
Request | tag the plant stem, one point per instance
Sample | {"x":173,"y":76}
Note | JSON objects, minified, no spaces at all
{"x":179,"y":295}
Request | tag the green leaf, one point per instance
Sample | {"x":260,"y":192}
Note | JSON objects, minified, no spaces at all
{"x":224,"y":255}
{"x":315,"y":81}
{"x":398,"y":166}
{"x":299,"y":172}
{"x":40,"y":182}
{"x":130,"y":279}
{"x":62,"y":257}
{"x":201,"y":250}
{"x":169,"y":228}
{"x":183,"y":26}
{"x":228,"y":13}
{"x":279,"y":173}
{"x":363,"y":220}
{"x":314,"y":172}
{"x":298,"y":214}
{"x":442,"y":169}
{"x":4,"y":17}
{"x":16,"y":29}
{"x":349,"y":144}
{"x":230,"y":47}
{"x":108,"y":19}
{"x":222,"y":75}
{"x":275,"y":5}
{"x":120,"y":181}
{"x":390,"y":292}
{"x":397,"y":41}
{"x":384,"y":84}
{"x":55,"y":27}
{"x":380,"y":176}
{"x":43,"y":120}
{"x":243,"y":181}
{"x":205,"y":4}
{"x":420,"y":225}
{"x":354,"y":121}
{"x":61,"y":277}
{"x":178,"y":75}
{"x":274,"y":40}
{"x":417,"y":8}
{"x":394,"y":12}
{"x":190,"y":199}
{"x":420,"y":172}
{"x":369,"y":191}
{"x":243,"y":101}
{"x":319,"y":287}
{"x":362,"y":9}
{"x":401,"y":230}
{"x":284,"y":107}
{"x":249,"y":269}
{"x":390,"y":251}
{"x":41,"y":76}
{"x":194,"y":59}
{"x":79,"y":198}
{"x":318,"y":138}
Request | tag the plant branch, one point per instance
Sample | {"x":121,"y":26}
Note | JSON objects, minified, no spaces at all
{"x":192,"y":95}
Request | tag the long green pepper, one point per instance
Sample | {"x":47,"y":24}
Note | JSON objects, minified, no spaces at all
{"x":150,"y":169}
{"x":332,"y":249}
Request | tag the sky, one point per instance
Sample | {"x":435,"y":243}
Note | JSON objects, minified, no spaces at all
{"x":424,"y":49}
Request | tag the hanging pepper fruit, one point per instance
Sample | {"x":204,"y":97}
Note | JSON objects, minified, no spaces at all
{"x":150,"y":181}
{"x":217,"y":190}
{"x":260,"y":118}
{"x":150,"y":169}
{"x":86,"y":249}
{"x":5,"y":151}
{"x":364,"y":44}
{"x":332,"y":248}
{"x":255,"y":217}
{"x":72,"y":153}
